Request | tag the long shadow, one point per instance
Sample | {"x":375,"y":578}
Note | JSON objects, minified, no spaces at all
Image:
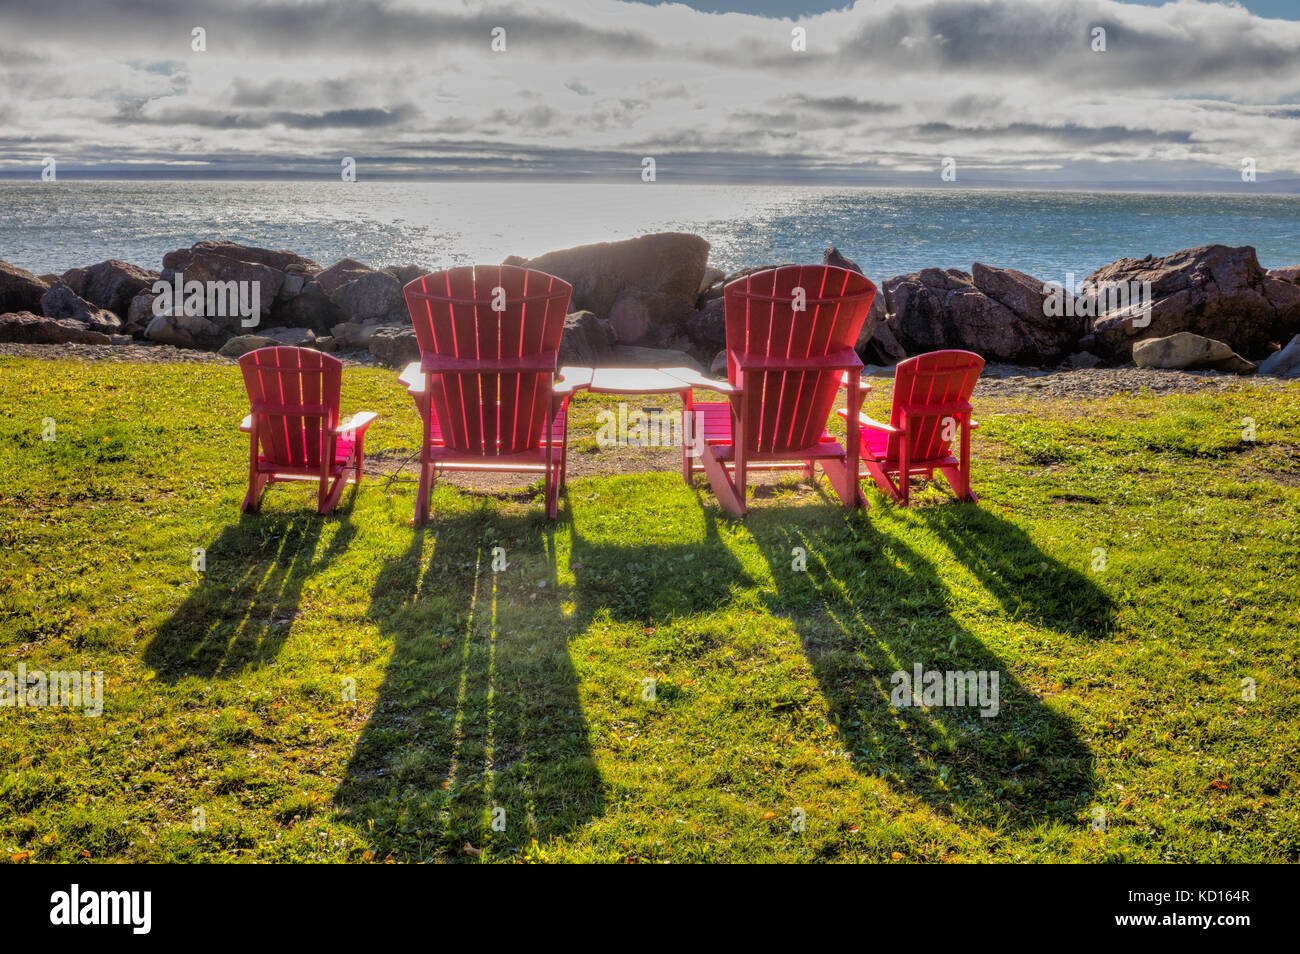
{"x":1028,"y":585}
{"x":477,"y":740}
{"x":869,"y":606}
{"x":240,"y":613}
{"x":652,"y":582}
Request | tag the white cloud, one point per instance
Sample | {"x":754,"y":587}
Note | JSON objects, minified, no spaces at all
{"x":592,"y":85}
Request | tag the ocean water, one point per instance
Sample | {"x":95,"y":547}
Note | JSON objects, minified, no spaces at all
{"x":50,"y":227}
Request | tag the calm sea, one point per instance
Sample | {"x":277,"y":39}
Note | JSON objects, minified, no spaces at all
{"x":50,"y":227}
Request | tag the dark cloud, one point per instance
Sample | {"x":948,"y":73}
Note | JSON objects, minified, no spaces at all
{"x":1068,"y":133}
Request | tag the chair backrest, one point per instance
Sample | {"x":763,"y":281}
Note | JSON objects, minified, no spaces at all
{"x":931,"y":387}
{"x":787,"y":410}
{"x":294,"y":393}
{"x":497,"y":315}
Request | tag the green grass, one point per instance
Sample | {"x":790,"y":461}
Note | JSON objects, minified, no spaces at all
{"x":349,"y":688}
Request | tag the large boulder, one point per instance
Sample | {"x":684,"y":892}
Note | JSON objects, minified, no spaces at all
{"x":360,"y":293}
{"x":28,"y":328}
{"x":1186,"y":351}
{"x":1051,"y":335}
{"x":20,"y":290}
{"x":228,"y":261}
{"x":111,"y":284}
{"x":878,"y":313}
{"x":240,"y":345}
{"x":62,"y":302}
{"x":707,"y":327}
{"x":645,"y":287}
{"x":1290,"y":274}
{"x":186,"y":331}
{"x":587,"y":341}
{"x":935,"y":309}
{"x":308,"y":307}
{"x":1214,"y":291}
{"x":1284,"y":363}
{"x":394,"y":345}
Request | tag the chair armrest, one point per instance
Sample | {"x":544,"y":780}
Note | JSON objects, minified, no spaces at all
{"x":845,"y":359}
{"x":357,"y":423}
{"x":570,"y":379}
{"x":693,"y":379}
{"x":866,"y":420}
{"x":863,"y":386}
{"x":246,"y":425}
{"x":412,"y":378}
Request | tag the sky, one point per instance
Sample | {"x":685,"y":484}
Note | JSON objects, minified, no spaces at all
{"x":1013,"y":92}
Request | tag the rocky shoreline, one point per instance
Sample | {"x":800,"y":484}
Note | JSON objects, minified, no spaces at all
{"x":655,"y":300}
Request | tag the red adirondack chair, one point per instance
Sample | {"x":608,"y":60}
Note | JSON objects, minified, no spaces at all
{"x":931,"y":408}
{"x":784,"y":365}
{"x":294,"y":430}
{"x":489,"y":338}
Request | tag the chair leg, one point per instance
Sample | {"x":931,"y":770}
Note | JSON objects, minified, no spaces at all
{"x":253,"y":499}
{"x":359,"y":459}
{"x":729,"y":497}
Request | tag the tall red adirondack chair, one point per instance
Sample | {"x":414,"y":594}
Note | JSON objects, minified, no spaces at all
{"x":489,"y":338}
{"x":931,"y":408}
{"x":784,"y":368}
{"x":294,"y":430}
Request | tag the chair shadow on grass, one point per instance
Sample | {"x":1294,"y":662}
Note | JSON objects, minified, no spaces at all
{"x":240,"y":612}
{"x":478,"y":717}
{"x":869,"y":605}
{"x":648,"y":582}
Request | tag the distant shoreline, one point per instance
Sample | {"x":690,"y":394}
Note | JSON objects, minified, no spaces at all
{"x":1290,"y":187}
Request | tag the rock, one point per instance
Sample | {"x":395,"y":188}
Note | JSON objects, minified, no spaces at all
{"x":832,"y":256}
{"x":587,"y":341}
{"x":934,"y":309}
{"x":1290,"y":274}
{"x":240,"y":345}
{"x":27,"y":328}
{"x":1214,"y":291}
{"x":716,"y":289}
{"x":631,"y":356}
{"x":228,"y":261}
{"x":394,"y":345}
{"x":139,"y":313}
{"x":707,"y":327}
{"x":883,"y":348}
{"x":111,"y":284}
{"x":1049,"y":336}
{"x":290,"y":337}
{"x":878,"y":313}
{"x":405,"y":274}
{"x":62,"y":302}
{"x":1083,"y":359}
{"x":645,"y":287}
{"x":1187,"y":351}
{"x":326,"y":344}
{"x":718,"y":366}
{"x":121,"y":340}
{"x":1284,"y":363}
{"x":185,"y":331}
{"x":309,"y":308}
{"x":20,"y":290}
{"x":711,"y":277}
{"x":361,"y":293}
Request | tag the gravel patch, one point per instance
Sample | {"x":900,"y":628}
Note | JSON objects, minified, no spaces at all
{"x":998,"y":380}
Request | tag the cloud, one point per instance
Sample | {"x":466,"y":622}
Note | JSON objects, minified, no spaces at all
{"x":1004,"y":85}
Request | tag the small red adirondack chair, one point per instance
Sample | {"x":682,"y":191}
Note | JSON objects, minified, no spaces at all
{"x":489,"y":338}
{"x":931,"y":408}
{"x":790,"y":337}
{"x":294,"y":430}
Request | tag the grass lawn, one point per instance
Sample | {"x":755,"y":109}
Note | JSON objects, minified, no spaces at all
{"x":350,"y":688}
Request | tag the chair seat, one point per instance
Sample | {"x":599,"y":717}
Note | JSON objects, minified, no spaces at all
{"x":436,"y":440}
{"x":714,"y":418}
{"x":342,"y":453}
{"x":873,"y":444}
